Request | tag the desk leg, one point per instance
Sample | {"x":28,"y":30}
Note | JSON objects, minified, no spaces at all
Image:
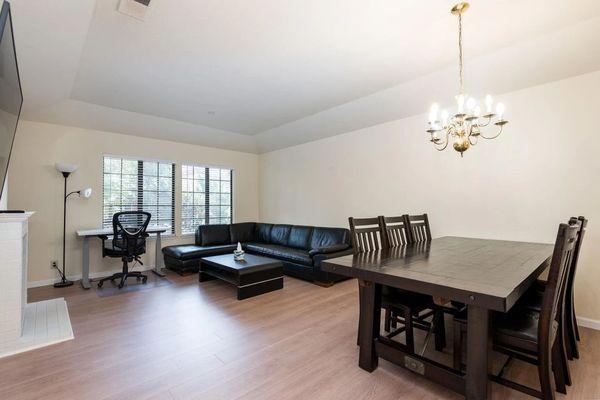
{"x":85,"y":266}
{"x":478,"y":354}
{"x":158,"y":260}
{"x":369,"y":324}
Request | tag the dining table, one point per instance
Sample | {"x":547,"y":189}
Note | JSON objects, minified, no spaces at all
{"x":485,"y":275}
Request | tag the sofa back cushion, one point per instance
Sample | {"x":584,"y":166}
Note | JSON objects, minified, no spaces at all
{"x":242,"y":232}
{"x":215,"y":235}
{"x":262,"y":232}
{"x":280,"y":234}
{"x":299,"y":237}
{"x":323,"y":237}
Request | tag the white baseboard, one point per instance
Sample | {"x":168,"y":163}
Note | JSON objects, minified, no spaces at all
{"x":93,"y":275}
{"x":589,"y":323}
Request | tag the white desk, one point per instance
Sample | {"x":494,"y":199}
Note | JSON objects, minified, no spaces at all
{"x":87,"y":234}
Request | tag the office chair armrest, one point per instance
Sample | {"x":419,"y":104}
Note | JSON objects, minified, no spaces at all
{"x":104,"y":238}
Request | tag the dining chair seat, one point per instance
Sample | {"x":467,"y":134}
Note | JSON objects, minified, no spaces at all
{"x":417,"y":302}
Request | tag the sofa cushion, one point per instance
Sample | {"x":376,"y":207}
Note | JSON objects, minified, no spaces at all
{"x":262,"y":232}
{"x":280,"y":234}
{"x":299,"y":237}
{"x":281,"y":252}
{"x":191,"y":251}
{"x":324,"y":237}
{"x":215,"y":235}
{"x":242,"y":232}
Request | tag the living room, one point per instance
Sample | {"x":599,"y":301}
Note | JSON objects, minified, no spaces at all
{"x":307,"y":133}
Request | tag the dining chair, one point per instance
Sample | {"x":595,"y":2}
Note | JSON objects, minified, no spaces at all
{"x":533,"y":298}
{"x":368,"y":235}
{"x":418,"y":226}
{"x":396,"y":233}
{"x":529,"y":335}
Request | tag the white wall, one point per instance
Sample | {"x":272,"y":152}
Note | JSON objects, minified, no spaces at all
{"x":543,"y":169}
{"x":35,"y":185}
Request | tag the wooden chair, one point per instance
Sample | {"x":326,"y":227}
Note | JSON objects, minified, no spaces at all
{"x":396,"y":233}
{"x":533,"y":336}
{"x":368,"y":235}
{"x":534,"y":297}
{"x":418,"y":226}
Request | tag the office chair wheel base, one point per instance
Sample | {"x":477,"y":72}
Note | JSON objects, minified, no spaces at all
{"x":100,"y":285}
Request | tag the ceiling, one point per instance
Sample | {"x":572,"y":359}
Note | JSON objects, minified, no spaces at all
{"x":265,"y":74}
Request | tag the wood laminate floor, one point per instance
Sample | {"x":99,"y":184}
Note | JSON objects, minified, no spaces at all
{"x":196,"y":341}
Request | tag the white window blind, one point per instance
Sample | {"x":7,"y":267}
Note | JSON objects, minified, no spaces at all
{"x":206,"y":196}
{"x":131,"y":184}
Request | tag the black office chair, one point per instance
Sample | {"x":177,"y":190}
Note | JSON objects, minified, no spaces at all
{"x":129,"y":242}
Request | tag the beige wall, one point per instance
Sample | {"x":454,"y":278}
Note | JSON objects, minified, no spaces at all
{"x":35,"y":185}
{"x":543,"y":169}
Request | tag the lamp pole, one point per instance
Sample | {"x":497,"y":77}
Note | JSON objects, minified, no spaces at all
{"x":64,"y":282}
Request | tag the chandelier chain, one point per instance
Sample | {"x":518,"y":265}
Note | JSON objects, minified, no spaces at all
{"x":460,"y":54}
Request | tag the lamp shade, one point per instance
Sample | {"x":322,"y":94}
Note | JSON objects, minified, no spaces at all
{"x":65,"y":168}
{"x":87,"y":192}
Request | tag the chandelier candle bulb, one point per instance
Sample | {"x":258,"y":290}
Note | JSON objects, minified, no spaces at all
{"x":463,"y":129}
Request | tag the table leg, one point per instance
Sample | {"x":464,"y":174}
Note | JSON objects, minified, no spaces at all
{"x":158,"y":260}
{"x":478,"y":354}
{"x":369,"y":324}
{"x":85,"y":264}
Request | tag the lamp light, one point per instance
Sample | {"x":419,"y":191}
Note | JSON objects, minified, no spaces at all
{"x":66,"y":170}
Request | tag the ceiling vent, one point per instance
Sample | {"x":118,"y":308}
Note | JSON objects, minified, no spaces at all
{"x":135,"y":8}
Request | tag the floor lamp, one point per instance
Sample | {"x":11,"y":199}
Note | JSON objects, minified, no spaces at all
{"x":66,"y":170}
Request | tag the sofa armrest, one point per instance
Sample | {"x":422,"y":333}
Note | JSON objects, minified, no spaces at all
{"x":328,"y":249}
{"x":317,"y":258}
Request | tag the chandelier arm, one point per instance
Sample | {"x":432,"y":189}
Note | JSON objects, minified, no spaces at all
{"x":492,"y":137}
{"x":446,"y":141}
{"x":489,"y":119}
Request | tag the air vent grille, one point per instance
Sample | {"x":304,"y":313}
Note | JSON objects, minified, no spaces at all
{"x":137,"y":9}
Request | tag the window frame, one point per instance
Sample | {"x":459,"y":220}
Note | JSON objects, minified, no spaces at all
{"x":206,"y":218}
{"x":140,"y":194}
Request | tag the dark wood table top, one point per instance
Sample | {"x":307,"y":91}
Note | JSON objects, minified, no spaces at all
{"x":489,"y":273}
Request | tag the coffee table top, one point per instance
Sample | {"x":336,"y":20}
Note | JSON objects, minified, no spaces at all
{"x":251,"y":262}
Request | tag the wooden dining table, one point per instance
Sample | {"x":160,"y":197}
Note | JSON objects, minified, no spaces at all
{"x":486,"y":275}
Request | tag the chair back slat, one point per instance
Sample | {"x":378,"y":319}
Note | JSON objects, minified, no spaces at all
{"x":366,"y":234}
{"x":418,"y":227}
{"x":554,"y":291}
{"x":396,"y":231}
{"x":581,"y":223}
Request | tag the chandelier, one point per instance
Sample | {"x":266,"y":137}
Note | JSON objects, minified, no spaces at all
{"x":465,"y":127}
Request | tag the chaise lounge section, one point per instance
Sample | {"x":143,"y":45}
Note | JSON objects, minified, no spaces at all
{"x":301,"y":249}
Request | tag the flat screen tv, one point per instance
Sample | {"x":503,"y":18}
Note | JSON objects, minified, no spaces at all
{"x":11,"y":96}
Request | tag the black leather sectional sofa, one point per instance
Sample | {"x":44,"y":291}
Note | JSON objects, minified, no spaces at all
{"x":300,"y":248}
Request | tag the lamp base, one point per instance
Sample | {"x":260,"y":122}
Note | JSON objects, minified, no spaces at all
{"x":63,"y":283}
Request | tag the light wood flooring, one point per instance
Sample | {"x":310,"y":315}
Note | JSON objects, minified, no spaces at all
{"x":196,"y":341}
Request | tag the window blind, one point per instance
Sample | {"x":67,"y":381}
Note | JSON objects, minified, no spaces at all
{"x":134,"y":185}
{"x":206,"y":197}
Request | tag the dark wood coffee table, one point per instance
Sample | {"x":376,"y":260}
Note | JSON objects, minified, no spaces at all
{"x":256,"y":275}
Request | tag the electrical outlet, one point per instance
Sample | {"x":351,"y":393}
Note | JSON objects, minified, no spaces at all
{"x":53,"y":265}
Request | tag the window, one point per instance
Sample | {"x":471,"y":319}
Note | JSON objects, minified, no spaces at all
{"x":131,"y":184}
{"x":206,"y":196}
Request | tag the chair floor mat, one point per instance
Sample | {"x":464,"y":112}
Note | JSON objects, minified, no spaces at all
{"x":132,"y":285}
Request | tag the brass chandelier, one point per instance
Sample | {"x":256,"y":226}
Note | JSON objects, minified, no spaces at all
{"x":464,"y":128}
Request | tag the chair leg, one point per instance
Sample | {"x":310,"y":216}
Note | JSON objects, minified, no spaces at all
{"x":408,"y":330}
{"x":576,"y":326}
{"x":439,"y":325}
{"x":562,"y":354}
{"x":387,"y":320}
{"x":544,"y":375}
{"x":557,"y":369}
{"x":457,"y":342}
